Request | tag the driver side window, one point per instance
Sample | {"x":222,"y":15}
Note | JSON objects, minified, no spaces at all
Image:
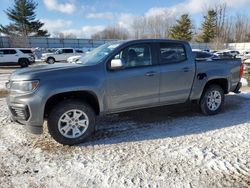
{"x":135,"y":56}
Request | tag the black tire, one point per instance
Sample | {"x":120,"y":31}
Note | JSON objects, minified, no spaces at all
{"x":204,"y":101}
{"x":57,"y":113}
{"x":24,"y":63}
{"x":51,"y":60}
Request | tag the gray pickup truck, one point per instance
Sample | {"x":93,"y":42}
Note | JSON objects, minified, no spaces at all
{"x":116,"y":77}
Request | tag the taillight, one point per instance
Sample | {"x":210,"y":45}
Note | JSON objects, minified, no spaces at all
{"x":241,"y":70}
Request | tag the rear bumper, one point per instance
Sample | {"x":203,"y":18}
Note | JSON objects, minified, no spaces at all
{"x":237,"y":89}
{"x":43,"y":59}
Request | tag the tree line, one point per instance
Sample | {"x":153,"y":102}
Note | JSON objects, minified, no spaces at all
{"x":218,"y":26}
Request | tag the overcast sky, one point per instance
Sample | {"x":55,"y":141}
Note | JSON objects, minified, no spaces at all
{"x":85,"y":17}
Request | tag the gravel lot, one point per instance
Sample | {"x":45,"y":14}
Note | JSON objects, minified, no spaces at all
{"x":161,"y":147}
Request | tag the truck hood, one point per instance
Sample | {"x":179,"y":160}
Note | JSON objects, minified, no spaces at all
{"x":36,"y":72}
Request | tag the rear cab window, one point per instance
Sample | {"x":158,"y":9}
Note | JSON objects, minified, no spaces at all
{"x":172,"y":53}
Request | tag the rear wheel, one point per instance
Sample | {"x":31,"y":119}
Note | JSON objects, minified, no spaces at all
{"x":51,"y":60}
{"x":212,"y":100}
{"x":24,"y":63}
{"x":71,"y":122}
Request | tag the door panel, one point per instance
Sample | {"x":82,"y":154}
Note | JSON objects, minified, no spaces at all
{"x":177,"y":73}
{"x":67,"y":53}
{"x":138,"y":83}
{"x":2,"y":58}
{"x":8,"y":56}
{"x":133,"y":87}
{"x":12,"y":56}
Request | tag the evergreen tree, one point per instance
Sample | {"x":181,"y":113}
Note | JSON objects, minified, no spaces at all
{"x":183,"y":29}
{"x":209,"y":26}
{"x":23,"y":20}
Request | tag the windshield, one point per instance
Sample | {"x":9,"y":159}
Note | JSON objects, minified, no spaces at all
{"x":98,"y":54}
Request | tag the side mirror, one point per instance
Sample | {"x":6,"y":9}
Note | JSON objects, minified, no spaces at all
{"x":116,"y":64}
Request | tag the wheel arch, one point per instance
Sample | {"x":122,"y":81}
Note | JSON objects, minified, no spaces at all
{"x":23,"y":58}
{"x":50,"y":57}
{"x":222,"y":82}
{"x":86,"y":96}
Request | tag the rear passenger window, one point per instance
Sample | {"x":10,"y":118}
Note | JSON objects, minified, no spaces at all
{"x":26,"y":51}
{"x":172,"y":53}
{"x":12,"y":51}
{"x":79,"y":51}
{"x":68,"y":51}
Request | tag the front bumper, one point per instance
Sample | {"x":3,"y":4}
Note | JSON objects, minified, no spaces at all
{"x":20,"y":112}
{"x":28,"y":111}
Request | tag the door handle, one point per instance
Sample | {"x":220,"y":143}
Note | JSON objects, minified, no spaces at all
{"x":186,"y":69}
{"x":151,"y":73}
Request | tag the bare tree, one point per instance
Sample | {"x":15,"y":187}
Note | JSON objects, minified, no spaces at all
{"x":230,"y":28}
{"x":242,"y":27}
{"x":139,"y":27}
{"x":18,"y":41}
{"x":64,"y":35}
{"x":153,"y":26}
{"x":111,"y":32}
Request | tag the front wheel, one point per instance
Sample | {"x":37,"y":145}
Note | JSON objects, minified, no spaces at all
{"x":71,"y":122}
{"x":212,"y":100}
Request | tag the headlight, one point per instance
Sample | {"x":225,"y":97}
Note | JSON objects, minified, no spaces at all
{"x":23,"y":86}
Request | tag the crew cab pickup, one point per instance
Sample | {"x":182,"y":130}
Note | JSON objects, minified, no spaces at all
{"x":61,"y":54}
{"x":116,"y":77}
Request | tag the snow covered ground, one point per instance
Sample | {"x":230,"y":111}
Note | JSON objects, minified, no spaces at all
{"x":3,"y":80}
{"x":244,"y":82}
{"x":160,"y":147}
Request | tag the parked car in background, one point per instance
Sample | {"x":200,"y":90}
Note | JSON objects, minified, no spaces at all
{"x":246,"y":64}
{"x":60,"y":55}
{"x":244,"y":55}
{"x":203,"y":55}
{"x":224,"y":55}
{"x":116,"y":77}
{"x":233,"y":53}
{"x":73,"y":59}
{"x":16,"y":56}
